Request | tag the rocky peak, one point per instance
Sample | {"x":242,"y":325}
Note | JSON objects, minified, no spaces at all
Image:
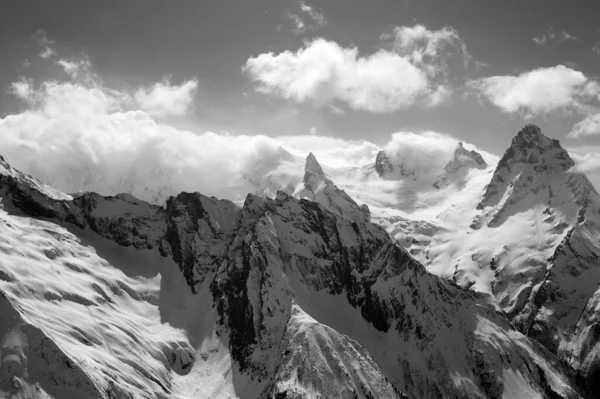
{"x":463,"y":157}
{"x":534,"y":167}
{"x":458,"y":167}
{"x":383,"y":164}
{"x":314,"y":176}
{"x":531,"y":146}
{"x":313,"y":166}
{"x":319,"y":188}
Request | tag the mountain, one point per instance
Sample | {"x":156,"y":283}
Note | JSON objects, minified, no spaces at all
{"x":457,"y":168}
{"x":278,"y":298}
{"x":319,"y":188}
{"x":525,"y":237}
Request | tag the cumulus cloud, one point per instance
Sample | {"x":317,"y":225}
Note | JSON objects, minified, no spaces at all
{"x":552,"y":36}
{"x":163,"y":98}
{"x":306,"y":19}
{"x":538,"y":91}
{"x":587,"y":127}
{"x":411,"y":72}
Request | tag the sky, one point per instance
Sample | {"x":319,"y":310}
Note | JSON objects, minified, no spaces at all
{"x":84,"y":80}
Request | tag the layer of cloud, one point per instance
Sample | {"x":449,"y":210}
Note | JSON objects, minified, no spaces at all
{"x":163,"y":98}
{"x":552,"y":36}
{"x":587,"y":127}
{"x":411,"y":72}
{"x":538,"y":91}
{"x":306,"y":19}
{"x":587,"y":160}
{"x":79,"y":135}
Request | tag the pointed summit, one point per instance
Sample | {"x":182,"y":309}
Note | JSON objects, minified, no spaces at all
{"x":313,"y":166}
{"x":314,"y":177}
{"x":533,"y":167}
{"x":319,"y":188}
{"x":531,"y":146}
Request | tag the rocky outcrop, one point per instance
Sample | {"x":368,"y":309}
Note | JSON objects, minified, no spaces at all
{"x":196,"y":234}
{"x":458,"y":167}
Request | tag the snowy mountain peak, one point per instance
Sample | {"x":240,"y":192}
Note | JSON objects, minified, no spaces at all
{"x":458,"y":167}
{"x":313,"y":166}
{"x":319,"y":188}
{"x":534,"y":166}
{"x":531,"y":146}
{"x":464,"y":157}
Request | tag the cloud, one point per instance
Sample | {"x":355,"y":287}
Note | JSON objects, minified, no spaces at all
{"x":42,"y":39}
{"x":163,"y":98}
{"x":427,"y":152}
{"x":587,"y":127}
{"x":307,"y":19}
{"x":538,"y":91}
{"x":587,"y":160}
{"x":46,"y":53}
{"x":427,"y":47}
{"x":552,"y":36}
{"x":313,"y":131}
{"x":78,"y":134}
{"x":331,"y":151}
{"x":412,"y":72}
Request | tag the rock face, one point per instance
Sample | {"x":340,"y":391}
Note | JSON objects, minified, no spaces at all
{"x":386,"y":168}
{"x":310,"y":299}
{"x":458,"y":167}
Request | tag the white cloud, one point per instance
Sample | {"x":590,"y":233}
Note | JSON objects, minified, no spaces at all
{"x":587,"y":160}
{"x":313,"y":130}
{"x":552,"y":36}
{"x":307,"y":19}
{"x":324,"y":72}
{"x":331,"y":151}
{"x":163,"y":98}
{"x":587,"y":127}
{"x":46,"y":44}
{"x":79,"y":69}
{"x":412,"y":69}
{"x":22,"y":89}
{"x":538,"y":91}
{"x":427,"y":47}
{"x":80,"y":135}
{"x":46,"y":53}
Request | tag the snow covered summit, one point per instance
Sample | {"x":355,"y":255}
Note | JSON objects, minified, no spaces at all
{"x":458,"y":167}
